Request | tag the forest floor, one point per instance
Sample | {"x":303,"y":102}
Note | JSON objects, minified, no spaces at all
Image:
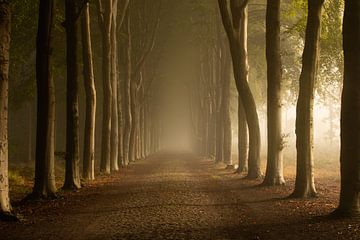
{"x":179,"y":196}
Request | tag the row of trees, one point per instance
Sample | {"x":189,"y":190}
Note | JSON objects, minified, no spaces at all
{"x":129,"y":126}
{"x":234,"y":16}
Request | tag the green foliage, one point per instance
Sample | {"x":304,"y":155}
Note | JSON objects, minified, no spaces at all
{"x":331,"y":57}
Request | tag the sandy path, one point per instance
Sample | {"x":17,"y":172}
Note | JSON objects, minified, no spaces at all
{"x":179,"y":196}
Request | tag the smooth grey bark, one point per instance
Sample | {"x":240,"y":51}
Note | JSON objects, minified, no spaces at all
{"x":243,"y":139}
{"x":121,"y":123}
{"x":143,"y":130}
{"x":219,"y":153}
{"x":90,"y":92}
{"x":72,"y":174}
{"x":350,"y":114}
{"x":127,"y":93}
{"x":44,"y":186}
{"x":114,"y":138}
{"x":235,"y":24}
{"x":119,"y":89}
{"x":134,"y":122}
{"x":304,"y":183}
{"x":104,"y":19}
{"x":225,"y":108}
{"x":274,"y":170}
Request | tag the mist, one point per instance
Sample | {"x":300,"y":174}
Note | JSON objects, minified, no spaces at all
{"x":188,"y":119}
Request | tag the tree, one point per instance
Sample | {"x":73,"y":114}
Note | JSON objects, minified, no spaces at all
{"x":5,"y":19}
{"x":44,"y":186}
{"x":119,"y":89}
{"x":237,"y":36}
{"x":72,"y":175}
{"x":274,"y":169}
{"x":350,"y":108}
{"x":145,"y":29}
{"x":304,"y":184}
{"x":225,"y":106}
{"x":243,"y":139}
{"x":104,"y":16}
{"x":126,"y":101}
{"x":243,"y":132}
{"x":90,"y":92}
{"x":114,"y":138}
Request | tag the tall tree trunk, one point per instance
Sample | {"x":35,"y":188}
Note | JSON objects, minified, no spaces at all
{"x":205,"y":129}
{"x":5,"y":19}
{"x":350,"y":113}
{"x":241,"y":69}
{"x":219,"y":153}
{"x":134,"y":118}
{"x":127,"y":93}
{"x":304,"y":184}
{"x":120,"y":124}
{"x":243,"y":139}
{"x":119,"y":89}
{"x":114,"y":79}
{"x":148,"y":124}
{"x":212,"y":132}
{"x":138,"y":137}
{"x":72,"y":175}
{"x":44,"y":185}
{"x":90,"y":92}
{"x":235,"y":24}
{"x":225,"y":108}
{"x":274,"y":169}
{"x":142,"y":129}
{"x":105,"y":14}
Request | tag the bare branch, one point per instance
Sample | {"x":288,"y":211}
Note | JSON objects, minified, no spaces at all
{"x":123,"y":14}
{"x":225,"y":16}
{"x":149,"y":49}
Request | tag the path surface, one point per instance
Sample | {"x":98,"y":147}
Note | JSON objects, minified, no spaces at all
{"x":173,"y":196}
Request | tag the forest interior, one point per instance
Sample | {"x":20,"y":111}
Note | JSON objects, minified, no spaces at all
{"x":180,"y":119}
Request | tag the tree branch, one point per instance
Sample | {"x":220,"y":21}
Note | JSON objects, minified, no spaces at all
{"x":225,"y":16}
{"x":123,"y":14}
{"x":100,"y":13}
{"x":151,"y":46}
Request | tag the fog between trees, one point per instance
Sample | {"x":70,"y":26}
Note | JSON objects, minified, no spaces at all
{"x":90,"y":87}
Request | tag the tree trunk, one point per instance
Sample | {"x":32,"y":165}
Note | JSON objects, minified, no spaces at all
{"x":72,"y":175}
{"x":225,"y":109}
{"x":304,"y":184}
{"x":243,"y":139}
{"x":133,"y":110}
{"x":219,"y":154}
{"x":114,"y":78}
{"x":142,"y":130}
{"x":212,"y":132}
{"x":274,"y":169}
{"x":236,"y":29}
{"x":5,"y":18}
{"x":147,"y":127}
{"x":120,"y":124}
{"x":127,"y":94}
{"x":90,"y":92}
{"x":350,"y":113}
{"x":105,"y":13}
{"x":44,"y":186}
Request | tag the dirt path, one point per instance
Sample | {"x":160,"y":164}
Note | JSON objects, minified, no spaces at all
{"x":172,"y":196}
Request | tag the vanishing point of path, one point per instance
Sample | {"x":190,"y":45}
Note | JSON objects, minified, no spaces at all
{"x":176,"y":196}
